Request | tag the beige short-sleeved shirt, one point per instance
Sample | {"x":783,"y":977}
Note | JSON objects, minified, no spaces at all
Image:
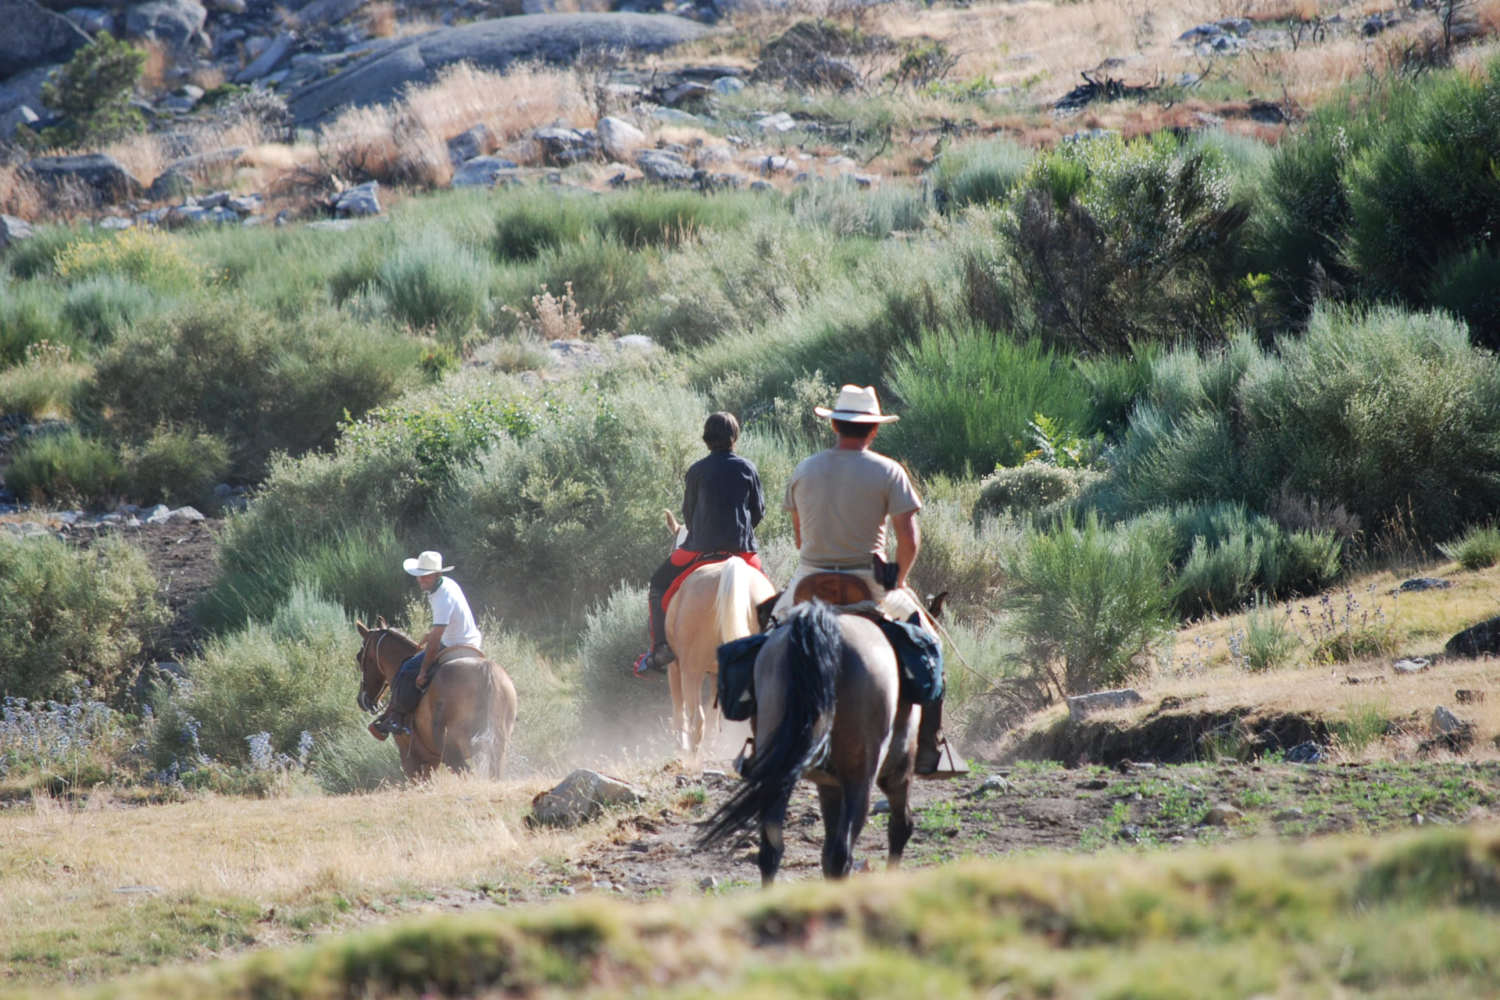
{"x":842,"y":499}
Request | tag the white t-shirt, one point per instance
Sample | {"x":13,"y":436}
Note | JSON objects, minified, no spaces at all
{"x":451,"y":609}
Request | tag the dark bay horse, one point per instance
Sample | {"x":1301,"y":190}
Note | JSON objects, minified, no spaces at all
{"x":828,"y":708}
{"x":469,"y":707}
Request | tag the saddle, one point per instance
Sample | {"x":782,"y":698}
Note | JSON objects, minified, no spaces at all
{"x":832,"y":588}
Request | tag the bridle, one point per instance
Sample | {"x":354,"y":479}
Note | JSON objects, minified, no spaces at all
{"x":366,"y":655}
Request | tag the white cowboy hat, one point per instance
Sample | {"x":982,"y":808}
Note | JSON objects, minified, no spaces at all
{"x":857,"y":406}
{"x":426,"y":563}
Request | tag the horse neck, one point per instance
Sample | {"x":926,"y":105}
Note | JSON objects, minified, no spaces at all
{"x":393,"y":649}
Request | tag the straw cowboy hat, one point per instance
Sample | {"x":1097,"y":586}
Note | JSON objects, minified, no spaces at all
{"x":857,"y":406}
{"x":426,"y":563}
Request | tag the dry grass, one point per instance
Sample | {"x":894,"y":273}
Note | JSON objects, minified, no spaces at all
{"x":380,"y":18}
{"x":154,"y":69}
{"x":20,"y":196}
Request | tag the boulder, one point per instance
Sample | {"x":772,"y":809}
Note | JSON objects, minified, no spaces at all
{"x":470,"y":143}
{"x":619,"y":138}
{"x":580,"y":797}
{"x":269,"y":58}
{"x":25,"y":88}
{"x":13,"y":230}
{"x":1222,"y":814}
{"x":1081,"y":705}
{"x":170,"y":185}
{"x":35,"y":36}
{"x":1479,"y":640}
{"x":104,"y":176}
{"x":493,"y":44}
{"x":664,"y":167}
{"x":171,"y":22}
{"x":14,"y":119}
{"x":321,"y":12}
{"x":483,"y":171}
{"x":563,"y":146}
{"x":1423,"y":583}
{"x":358,"y":201}
{"x":91,"y":20}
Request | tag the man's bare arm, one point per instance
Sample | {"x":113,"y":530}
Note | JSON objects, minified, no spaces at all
{"x":797,"y":528}
{"x":908,"y":544}
{"x":431,"y":644}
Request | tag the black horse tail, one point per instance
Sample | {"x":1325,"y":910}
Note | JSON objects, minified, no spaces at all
{"x":814,"y":650}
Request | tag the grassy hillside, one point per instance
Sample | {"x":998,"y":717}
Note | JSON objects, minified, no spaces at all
{"x":1411,"y":915}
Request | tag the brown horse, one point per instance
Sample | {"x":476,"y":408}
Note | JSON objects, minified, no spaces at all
{"x":716,"y":603}
{"x":469,"y":707}
{"x":828,"y":708}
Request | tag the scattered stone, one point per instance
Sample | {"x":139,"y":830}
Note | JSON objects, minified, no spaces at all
{"x":1445,"y":722}
{"x":708,"y":883}
{"x":321,"y":12}
{"x":685,"y":92}
{"x":1289,"y":815}
{"x":1423,"y":583}
{"x":16,"y":118}
{"x":1412,"y":665}
{"x":172,"y":22}
{"x":114,"y":223}
{"x":1221,"y":814}
{"x":672,"y":116}
{"x":14,"y":230}
{"x":881,"y":807}
{"x":580,"y":797}
{"x":484,"y":171}
{"x":1479,"y":640}
{"x":470,"y":143}
{"x":1305,"y":753}
{"x":663,"y":166}
{"x":778,"y":122}
{"x":1468,"y":696}
{"x":358,"y":201}
{"x":993,"y":783}
{"x":91,"y":20}
{"x":1368,"y":679}
{"x":619,"y":138}
{"x":1093,"y":785}
{"x":267,"y":61}
{"x":99,"y":173}
{"x":35,"y":36}
{"x":1081,"y":705}
{"x":563,"y":146}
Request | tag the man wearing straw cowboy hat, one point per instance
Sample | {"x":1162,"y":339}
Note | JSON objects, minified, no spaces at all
{"x":839,"y":500}
{"x":452,"y":625}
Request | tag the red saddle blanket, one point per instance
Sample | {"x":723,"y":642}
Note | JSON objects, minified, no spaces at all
{"x":689,"y":561}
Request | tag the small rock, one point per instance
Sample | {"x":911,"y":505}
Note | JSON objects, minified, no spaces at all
{"x":361,"y":200}
{"x":1444,"y":722}
{"x":1289,"y":815}
{"x":1222,"y":814}
{"x":473,"y":142}
{"x":1081,"y":705}
{"x":1478,"y":640}
{"x":189,"y":514}
{"x":993,"y":783}
{"x":708,"y":882}
{"x":1423,"y":583}
{"x":1305,"y":753}
{"x":484,"y":171}
{"x":882,"y":807}
{"x":1093,"y":784}
{"x":115,"y":223}
{"x":727,"y":85}
{"x":13,"y":230}
{"x":664,"y":167}
{"x":619,"y":138}
{"x":1413,"y":665}
{"x":580,"y":797}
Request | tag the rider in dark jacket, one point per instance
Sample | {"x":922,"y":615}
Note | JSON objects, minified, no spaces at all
{"x":722,"y":504}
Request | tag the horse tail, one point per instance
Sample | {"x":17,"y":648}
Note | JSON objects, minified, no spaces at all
{"x":487,"y":733}
{"x":809,"y":675}
{"x":733,"y":608}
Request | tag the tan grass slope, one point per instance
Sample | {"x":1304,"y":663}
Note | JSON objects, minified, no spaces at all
{"x":1413,"y":915}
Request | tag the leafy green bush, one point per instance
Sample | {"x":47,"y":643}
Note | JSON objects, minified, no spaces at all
{"x":261,"y":383}
{"x":526,"y":226}
{"x":285,"y":676}
{"x":967,"y":397}
{"x":977,"y":173}
{"x":431,"y":281}
{"x":177,"y":467}
{"x":93,"y":91}
{"x":159,"y":261}
{"x":1037,"y":488}
{"x":1468,"y":285}
{"x":647,"y":218}
{"x":28,"y":315}
{"x":37,"y":257}
{"x":46,"y":385}
{"x":349,"y":761}
{"x":74,"y":618}
{"x":100,"y":308}
{"x":1089,"y":598}
{"x":64,"y":466}
{"x":606,"y":277}
{"x":1476,"y":548}
{"x":1112,"y":243}
{"x":1269,"y":641}
{"x":841,"y":207}
{"x":961,"y":557}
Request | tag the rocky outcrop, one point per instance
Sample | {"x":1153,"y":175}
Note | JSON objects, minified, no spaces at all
{"x":494,"y":44}
{"x":33,"y":36}
{"x":103,"y":176}
{"x":175,"y":23}
{"x":1480,"y":640}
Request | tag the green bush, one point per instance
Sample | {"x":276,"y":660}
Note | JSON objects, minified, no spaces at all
{"x":1477,"y":548}
{"x":967,"y":397}
{"x":642,"y":219}
{"x":562,"y":516}
{"x":606,"y":276}
{"x":841,"y":207}
{"x":159,"y":261}
{"x":1089,"y":599}
{"x":66,"y":467}
{"x":618,"y":709}
{"x":37,"y":257}
{"x":1468,"y":285}
{"x":288,"y":675}
{"x":28,"y":315}
{"x":546,"y":740}
{"x":349,"y":761}
{"x":978,"y":173}
{"x":177,"y":467}
{"x":961,"y":557}
{"x":1035,"y":488}
{"x":262,"y":384}
{"x":93,"y":91}
{"x":528,"y":225}
{"x":431,"y":281}
{"x":1269,"y":641}
{"x":100,"y":308}
{"x":47,"y":385}
{"x":1111,"y":244}
{"x":74,"y":618}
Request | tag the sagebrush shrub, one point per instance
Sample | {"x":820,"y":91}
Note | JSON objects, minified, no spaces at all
{"x":159,"y":261}
{"x":45,"y":385}
{"x":978,"y":173}
{"x":177,"y":466}
{"x":431,"y":281}
{"x":102,"y":307}
{"x":74,"y":618}
{"x":1477,"y":548}
{"x":66,"y":467}
{"x":1036,"y":488}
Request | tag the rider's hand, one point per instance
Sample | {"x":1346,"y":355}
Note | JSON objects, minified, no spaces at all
{"x":421,"y":678}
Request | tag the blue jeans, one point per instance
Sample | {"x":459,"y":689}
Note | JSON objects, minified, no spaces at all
{"x":405,"y":695}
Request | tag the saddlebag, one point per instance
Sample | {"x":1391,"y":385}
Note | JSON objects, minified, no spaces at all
{"x":920,"y":657}
{"x":736,"y":693}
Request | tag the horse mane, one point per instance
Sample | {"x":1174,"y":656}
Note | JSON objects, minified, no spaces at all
{"x":392,"y":630}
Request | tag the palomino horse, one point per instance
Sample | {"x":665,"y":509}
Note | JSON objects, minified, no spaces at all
{"x":470,"y":702}
{"x":716,"y":603}
{"x":828,"y":708}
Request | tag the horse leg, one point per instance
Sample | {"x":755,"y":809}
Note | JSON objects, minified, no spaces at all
{"x":679,"y":704}
{"x":844,"y":812}
{"x":772,"y":844}
{"x":895,"y":782}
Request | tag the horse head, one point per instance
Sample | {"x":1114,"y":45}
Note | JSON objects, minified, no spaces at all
{"x":372,"y":680}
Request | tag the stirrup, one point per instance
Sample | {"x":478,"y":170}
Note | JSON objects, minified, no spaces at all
{"x":742,"y":759}
{"x":949,"y":764}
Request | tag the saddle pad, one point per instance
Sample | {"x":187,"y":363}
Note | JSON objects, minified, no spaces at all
{"x":832,"y":588}
{"x":703,"y":559}
{"x":736,"y":686}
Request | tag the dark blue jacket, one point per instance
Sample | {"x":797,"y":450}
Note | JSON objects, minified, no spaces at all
{"x":722,"y":504}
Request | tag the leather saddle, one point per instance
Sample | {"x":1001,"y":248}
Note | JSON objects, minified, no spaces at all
{"x":832,"y":588}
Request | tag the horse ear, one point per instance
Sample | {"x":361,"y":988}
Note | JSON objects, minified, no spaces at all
{"x":380,"y":622}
